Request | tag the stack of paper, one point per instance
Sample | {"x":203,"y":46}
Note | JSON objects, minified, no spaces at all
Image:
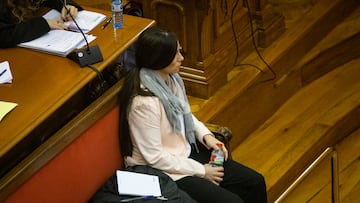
{"x":5,"y":73}
{"x":58,"y":42}
{"x":62,"y":42}
{"x":138,"y":184}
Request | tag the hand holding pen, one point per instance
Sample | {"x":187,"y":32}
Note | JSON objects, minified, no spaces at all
{"x":68,"y":11}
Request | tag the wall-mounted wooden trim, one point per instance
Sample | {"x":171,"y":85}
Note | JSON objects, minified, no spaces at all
{"x":60,"y":140}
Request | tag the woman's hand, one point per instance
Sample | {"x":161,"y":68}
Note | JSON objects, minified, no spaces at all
{"x":71,"y":10}
{"x":211,"y":142}
{"x":56,"y":24}
{"x":214,"y":174}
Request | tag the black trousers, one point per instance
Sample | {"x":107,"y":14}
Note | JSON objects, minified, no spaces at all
{"x":240,"y":183}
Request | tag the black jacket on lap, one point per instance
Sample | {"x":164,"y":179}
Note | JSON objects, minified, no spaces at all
{"x":108,"y":193}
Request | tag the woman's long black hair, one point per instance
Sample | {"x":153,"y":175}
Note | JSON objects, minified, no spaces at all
{"x":155,"y":49}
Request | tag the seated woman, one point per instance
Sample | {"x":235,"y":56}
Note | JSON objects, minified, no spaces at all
{"x":158,"y":129}
{"x":18,"y":22}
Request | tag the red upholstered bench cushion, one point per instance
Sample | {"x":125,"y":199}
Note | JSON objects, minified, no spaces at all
{"x":79,"y":170}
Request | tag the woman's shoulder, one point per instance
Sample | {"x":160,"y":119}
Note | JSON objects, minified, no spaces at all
{"x":145,"y":101}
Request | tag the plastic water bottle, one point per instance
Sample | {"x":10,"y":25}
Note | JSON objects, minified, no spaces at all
{"x":217,"y":156}
{"x":117,"y":14}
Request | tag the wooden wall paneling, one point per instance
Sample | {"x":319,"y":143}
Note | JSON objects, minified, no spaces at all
{"x":269,"y":23}
{"x":200,"y":37}
{"x":269,"y":26}
{"x":206,"y":30}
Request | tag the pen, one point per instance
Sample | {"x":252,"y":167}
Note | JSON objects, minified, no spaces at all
{"x":144,"y":197}
{"x":2,"y":73}
{"x":107,"y":23}
{"x":66,"y":8}
{"x":137,"y":198}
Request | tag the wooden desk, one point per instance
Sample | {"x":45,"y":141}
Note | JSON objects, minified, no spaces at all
{"x":48,"y":89}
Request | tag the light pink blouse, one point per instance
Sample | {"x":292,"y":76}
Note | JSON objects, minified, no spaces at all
{"x":156,"y":144}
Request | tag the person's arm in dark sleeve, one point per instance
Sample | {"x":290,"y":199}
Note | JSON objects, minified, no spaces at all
{"x":58,"y":4}
{"x":13,"y":34}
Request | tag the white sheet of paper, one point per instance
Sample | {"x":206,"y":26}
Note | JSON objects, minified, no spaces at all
{"x":5,"y":73}
{"x":137,"y":184}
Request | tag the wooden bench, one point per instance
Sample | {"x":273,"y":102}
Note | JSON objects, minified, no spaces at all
{"x":349,"y":176}
{"x":77,"y":160}
{"x":317,"y":117}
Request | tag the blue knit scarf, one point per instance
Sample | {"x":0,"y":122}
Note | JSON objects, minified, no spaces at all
{"x":173,"y":105}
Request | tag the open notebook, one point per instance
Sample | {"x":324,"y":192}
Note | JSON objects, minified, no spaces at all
{"x":58,"y":42}
{"x":62,"y":42}
{"x":86,"y":20}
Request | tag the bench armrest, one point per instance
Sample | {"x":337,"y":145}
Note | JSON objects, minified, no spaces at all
{"x":221,"y":133}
